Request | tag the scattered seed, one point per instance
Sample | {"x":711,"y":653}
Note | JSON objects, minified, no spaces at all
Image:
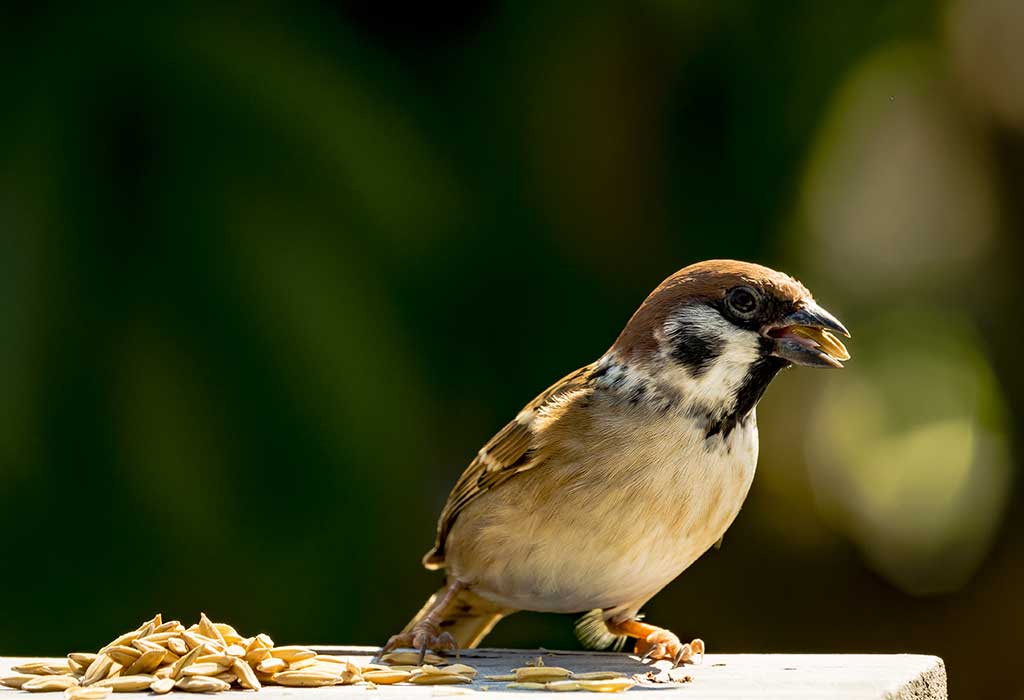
{"x":461,"y":669}
{"x":607,"y":685}
{"x":541,"y":674}
{"x":305,"y":679}
{"x":562,"y":686}
{"x":387,"y":677}
{"x":525,"y":686}
{"x":410,"y":658}
{"x":597,"y":675}
{"x":439,"y":679}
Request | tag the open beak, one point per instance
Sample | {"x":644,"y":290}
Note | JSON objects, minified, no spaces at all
{"x":808,"y":337}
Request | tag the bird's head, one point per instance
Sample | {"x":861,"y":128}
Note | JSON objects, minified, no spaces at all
{"x":721,"y":327}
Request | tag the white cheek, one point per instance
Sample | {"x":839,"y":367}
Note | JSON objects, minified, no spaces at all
{"x":716,"y":386}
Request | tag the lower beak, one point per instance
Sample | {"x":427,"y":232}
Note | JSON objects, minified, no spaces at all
{"x":808,"y":337}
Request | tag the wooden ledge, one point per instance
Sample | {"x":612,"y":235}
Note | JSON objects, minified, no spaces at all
{"x":735,"y":676}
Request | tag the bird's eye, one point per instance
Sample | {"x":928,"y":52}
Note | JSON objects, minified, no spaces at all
{"x":742,"y":301}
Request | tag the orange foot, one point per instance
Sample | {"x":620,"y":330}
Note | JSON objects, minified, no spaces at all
{"x":657,"y":643}
{"x":424,"y":635}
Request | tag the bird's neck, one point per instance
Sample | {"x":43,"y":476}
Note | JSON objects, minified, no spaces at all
{"x":721,"y":398}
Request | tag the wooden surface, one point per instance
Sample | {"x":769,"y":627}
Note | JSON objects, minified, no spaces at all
{"x":749,"y":676}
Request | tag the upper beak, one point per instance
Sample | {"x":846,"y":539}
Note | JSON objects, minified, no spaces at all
{"x":808,"y":337}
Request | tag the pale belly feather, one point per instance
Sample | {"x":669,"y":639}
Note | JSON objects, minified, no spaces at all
{"x":570,"y":537}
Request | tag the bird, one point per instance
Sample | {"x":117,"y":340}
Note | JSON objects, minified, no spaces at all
{"x":609,"y":484}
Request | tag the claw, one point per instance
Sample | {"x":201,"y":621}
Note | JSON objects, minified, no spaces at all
{"x":650,"y":653}
{"x":683,"y":654}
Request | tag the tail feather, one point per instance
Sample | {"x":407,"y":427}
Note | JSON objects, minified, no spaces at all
{"x":469,"y":618}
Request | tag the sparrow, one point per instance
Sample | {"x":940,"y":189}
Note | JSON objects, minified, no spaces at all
{"x":613,"y":481}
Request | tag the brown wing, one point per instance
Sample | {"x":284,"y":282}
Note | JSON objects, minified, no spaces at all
{"x":508,"y":453}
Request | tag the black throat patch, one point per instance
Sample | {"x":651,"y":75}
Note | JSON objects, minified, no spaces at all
{"x":759,"y":376}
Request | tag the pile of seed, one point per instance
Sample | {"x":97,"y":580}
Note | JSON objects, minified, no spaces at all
{"x":211,"y":657}
{"x":164,"y":656}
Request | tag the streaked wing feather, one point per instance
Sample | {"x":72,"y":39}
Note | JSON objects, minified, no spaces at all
{"x":508,"y":453}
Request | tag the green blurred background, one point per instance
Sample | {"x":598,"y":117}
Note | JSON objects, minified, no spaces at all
{"x":270,"y":275}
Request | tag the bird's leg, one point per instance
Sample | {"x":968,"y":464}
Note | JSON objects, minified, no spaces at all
{"x":656,"y":643}
{"x":426,"y":633}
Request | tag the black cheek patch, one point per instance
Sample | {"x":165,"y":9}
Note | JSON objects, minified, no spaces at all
{"x":694,"y":348}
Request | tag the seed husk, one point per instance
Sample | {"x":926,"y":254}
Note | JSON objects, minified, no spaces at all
{"x":272,"y":665}
{"x":526,"y":685}
{"x":147,"y":663}
{"x":597,"y":675}
{"x":162,"y":685}
{"x":184,"y":661}
{"x":305,"y":679}
{"x":18,"y":679}
{"x":410,"y":658}
{"x":607,"y":685}
{"x":461,"y":669}
{"x":94,"y":693}
{"x":124,"y":655}
{"x":208,"y":629}
{"x":127,"y":684}
{"x":235,"y":650}
{"x":169,"y":626}
{"x":305,"y":663}
{"x":49,"y":684}
{"x":177,"y":645}
{"x":194,"y":639}
{"x":222,"y":659}
{"x":541,"y":674}
{"x":82,"y":659}
{"x":292,"y":654}
{"x":439,"y":679}
{"x":98,"y":669}
{"x":164,"y":672}
{"x":387,"y":677}
{"x":563,"y":686}
{"x":246,"y":676}
{"x":123,"y":640}
{"x":43,"y":668}
{"x":501,"y":677}
{"x":204,"y":669}
{"x":257,"y":654}
{"x":202,"y":684}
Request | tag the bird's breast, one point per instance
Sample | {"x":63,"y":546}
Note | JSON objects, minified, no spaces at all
{"x":617,"y":511}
